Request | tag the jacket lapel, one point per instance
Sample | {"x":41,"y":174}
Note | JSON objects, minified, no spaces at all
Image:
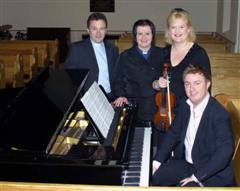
{"x":109,"y":57}
{"x":202,"y":125}
{"x":91,"y":53}
{"x":185,"y":121}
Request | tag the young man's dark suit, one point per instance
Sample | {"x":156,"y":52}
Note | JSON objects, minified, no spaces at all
{"x":81,"y":55}
{"x":213,"y":146}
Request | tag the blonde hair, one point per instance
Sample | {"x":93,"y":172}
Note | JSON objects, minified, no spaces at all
{"x":179,"y":13}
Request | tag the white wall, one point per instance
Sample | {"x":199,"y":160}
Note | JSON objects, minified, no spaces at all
{"x":232,"y":32}
{"x":73,"y":13}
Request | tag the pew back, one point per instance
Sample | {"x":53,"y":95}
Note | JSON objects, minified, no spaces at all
{"x":2,"y":75}
{"x":226,"y":101}
{"x":29,"y":61}
{"x":225,"y":73}
{"x":41,"y":48}
{"x":13,"y":70}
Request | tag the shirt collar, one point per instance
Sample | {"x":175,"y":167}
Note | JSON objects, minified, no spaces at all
{"x":201,"y":106}
{"x":101,"y":44}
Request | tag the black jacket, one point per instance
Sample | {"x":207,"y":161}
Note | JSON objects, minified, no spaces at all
{"x":81,"y":56}
{"x":134,"y":79}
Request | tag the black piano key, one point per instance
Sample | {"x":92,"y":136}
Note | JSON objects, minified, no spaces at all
{"x":133,"y":174}
{"x":132,"y":179}
{"x":134,"y":169}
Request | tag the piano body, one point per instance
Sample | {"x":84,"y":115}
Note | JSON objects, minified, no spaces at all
{"x":48,"y":137}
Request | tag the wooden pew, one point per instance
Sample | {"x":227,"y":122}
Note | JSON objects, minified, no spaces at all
{"x":123,"y":45}
{"x":210,"y":47}
{"x":13,"y":70}
{"x":235,"y":120}
{"x":218,"y":47}
{"x":225,"y":73}
{"x":52,"y":49}
{"x":41,"y":49}
{"x":2,"y":75}
{"x":29,"y":61}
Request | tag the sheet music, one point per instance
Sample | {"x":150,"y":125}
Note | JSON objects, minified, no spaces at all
{"x":99,"y":108}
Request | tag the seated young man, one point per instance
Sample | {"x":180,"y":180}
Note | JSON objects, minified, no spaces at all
{"x":201,"y":136}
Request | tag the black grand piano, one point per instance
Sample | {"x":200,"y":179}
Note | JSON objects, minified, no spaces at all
{"x":48,"y":136}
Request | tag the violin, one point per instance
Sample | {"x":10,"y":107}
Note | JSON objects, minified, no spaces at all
{"x":165,"y":101}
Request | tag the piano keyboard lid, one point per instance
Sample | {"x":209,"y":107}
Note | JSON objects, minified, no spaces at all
{"x":37,"y":112}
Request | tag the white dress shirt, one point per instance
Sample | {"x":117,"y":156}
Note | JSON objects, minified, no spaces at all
{"x":195,"y":117}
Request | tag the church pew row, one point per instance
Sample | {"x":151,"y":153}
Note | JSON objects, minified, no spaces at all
{"x":225,"y":73}
{"x":227,"y":102}
{"x":209,"y":47}
{"x":2,"y":75}
{"x":47,"y":50}
{"x":13,"y":71}
{"x":27,"y":57}
{"x":42,"y":54}
{"x":201,"y":37}
{"x":212,"y":42}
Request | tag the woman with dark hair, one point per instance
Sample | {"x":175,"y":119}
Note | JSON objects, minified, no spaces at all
{"x":137,"y":68}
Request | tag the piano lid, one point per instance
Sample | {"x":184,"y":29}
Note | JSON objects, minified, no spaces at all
{"x":31,"y":119}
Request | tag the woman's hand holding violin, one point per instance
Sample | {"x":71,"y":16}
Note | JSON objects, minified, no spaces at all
{"x":160,"y":83}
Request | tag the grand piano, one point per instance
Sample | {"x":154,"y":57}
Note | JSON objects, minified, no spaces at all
{"x":47,"y":136}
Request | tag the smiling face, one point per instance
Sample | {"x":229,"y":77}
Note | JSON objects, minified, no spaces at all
{"x":196,"y":87}
{"x":97,"y":30}
{"x":144,"y":37}
{"x":179,"y":30}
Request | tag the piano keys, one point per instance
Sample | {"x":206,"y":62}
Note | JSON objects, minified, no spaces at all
{"x":138,"y":171}
{"x":45,"y":137}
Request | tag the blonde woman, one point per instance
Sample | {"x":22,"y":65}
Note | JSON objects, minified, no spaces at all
{"x":181,"y":51}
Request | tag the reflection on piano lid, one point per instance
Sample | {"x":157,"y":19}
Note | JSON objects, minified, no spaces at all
{"x":30,"y":119}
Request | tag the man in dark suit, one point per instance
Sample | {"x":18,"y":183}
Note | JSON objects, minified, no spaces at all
{"x":201,"y":134}
{"x":95,"y":54}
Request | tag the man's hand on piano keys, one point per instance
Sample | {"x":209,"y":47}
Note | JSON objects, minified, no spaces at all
{"x":119,"y":102}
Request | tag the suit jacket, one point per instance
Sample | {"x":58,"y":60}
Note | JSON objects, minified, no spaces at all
{"x":134,"y":78}
{"x":213,"y":146}
{"x":81,"y":56}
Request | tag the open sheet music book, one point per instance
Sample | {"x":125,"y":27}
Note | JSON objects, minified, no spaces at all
{"x":99,"y":108}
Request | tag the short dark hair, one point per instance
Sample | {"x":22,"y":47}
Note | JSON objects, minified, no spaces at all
{"x":143,"y":22}
{"x":95,"y":17}
{"x":194,"y":69}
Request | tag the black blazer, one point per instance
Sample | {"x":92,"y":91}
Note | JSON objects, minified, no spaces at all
{"x":213,"y":146}
{"x":81,"y":55}
{"x":134,"y":79}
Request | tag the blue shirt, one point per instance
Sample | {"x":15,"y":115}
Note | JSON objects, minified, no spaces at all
{"x":103,"y":76}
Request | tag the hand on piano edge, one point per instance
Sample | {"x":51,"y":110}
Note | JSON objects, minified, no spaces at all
{"x":119,"y":102}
